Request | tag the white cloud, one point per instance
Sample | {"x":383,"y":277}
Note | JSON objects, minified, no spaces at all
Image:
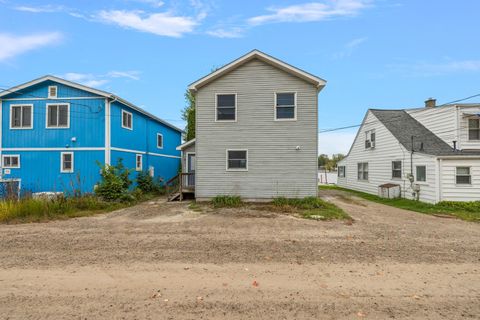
{"x":15,"y":45}
{"x":93,"y":80}
{"x":236,"y":32}
{"x":40,"y":9}
{"x":153,"y":3}
{"x":335,"y":142}
{"x":162,"y":24}
{"x":349,"y":48}
{"x":312,"y":11}
{"x":425,"y":69}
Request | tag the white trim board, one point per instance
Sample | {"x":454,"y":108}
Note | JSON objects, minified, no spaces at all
{"x":144,"y":152}
{"x":55,"y":149}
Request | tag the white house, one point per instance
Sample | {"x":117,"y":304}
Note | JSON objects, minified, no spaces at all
{"x":431,"y":153}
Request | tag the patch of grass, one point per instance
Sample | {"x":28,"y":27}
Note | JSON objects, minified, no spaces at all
{"x":227,"y":202}
{"x":469,"y":211}
{"x":195,"y":207}
{"x":311,"y":208}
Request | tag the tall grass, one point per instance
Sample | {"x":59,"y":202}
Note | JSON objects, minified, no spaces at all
{"x":227,"y":202}
{"x":311,"y":208}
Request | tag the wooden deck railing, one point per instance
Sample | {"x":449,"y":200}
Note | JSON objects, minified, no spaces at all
{"x":183,"y":182}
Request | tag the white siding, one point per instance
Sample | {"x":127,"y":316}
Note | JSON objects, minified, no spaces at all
{"x":450,"y":191}
{"x":463,"y":125}
{"x":380,"y":159}
{"x":442,"y":121}
{"x":275,"y":167}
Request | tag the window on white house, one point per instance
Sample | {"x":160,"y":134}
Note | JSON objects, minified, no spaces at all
{"x":341,"y":171}
{"x":52,"y":91}
{"x":21,"y":116}
{"x":421,"y":175}
{"x":226,"y":107}
{"x":397,"y":169}
{"x":362,"y":170}
{"x":370,"y":139}
{"x":127,"y":120}
{"x":463,"y":175}
{"x":67,"y":162}
{"x":473,"y":129}
{"x":11,"y":161}
{"x":138,"y":162}
{"x":237,"y":160}
{"x":285,"y":106}
{"x":159,"y":141}
{"x":58,"y":115}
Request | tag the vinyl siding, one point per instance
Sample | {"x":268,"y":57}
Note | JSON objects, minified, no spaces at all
{"x":380,"y":159}
{"x":275,"y":167}
{"x":442,"y":121}
{"x":450,"y":191}
{"x":463,"y":125}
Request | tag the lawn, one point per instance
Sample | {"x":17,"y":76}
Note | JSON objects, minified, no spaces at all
{"x":469,"y":211}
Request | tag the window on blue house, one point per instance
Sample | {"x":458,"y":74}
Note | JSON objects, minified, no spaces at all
{"x":21,"y":116}
{"x":11,"y":161}
{"x":127,"y":120}
{"x":138,"y":162}
{"x":58,"y":115}
{"x":159,"y":141}
{"x":66,"y":162}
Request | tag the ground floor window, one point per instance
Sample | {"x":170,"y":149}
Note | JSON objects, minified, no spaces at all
{"x":138,"y":162}
{"x":397,"y":169}
{"x":237,"y":160}
{"x":363,"y":171}
{"x":66,"y":162}
{"x":421,"y":173}
{"x":463,"y":175}
{"x":11,"y":161}
{"x":341,"y":171}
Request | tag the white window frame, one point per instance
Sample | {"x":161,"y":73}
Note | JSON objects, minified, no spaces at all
{"x":58,"y":115}
{"x":31,"y":116}
{"x":401,"y":170}
{"x":416,"y":173}
{"x":344,"y":171}
{"x":10,"y":156}
{"x":363,"y":171}
{"x":62,"y":170}
{"x":216,"y":106}
{"x":468,"y":125}
{"x":368,"y":137}
{"x":131,"y":119}
{"x":294,"y":106}
{"x":236,"y":169}
{"x":56,"y":92}
{"x":161,"y":135}
{"x":137,"y":167}
{"x":463,"y":175}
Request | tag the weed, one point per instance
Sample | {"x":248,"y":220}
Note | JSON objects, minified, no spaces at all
{"x":227,"y":202}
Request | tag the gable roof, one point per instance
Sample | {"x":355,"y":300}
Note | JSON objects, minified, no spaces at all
{"x":98,"y":92}
{"x":186,"y":144}
{"x":403,"y":126}
{"x":257,"y":54}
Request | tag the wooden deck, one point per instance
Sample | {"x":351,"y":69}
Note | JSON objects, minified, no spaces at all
{"x":180,"y":185}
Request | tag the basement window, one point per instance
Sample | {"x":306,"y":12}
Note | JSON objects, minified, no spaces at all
{"x":463,"y":175}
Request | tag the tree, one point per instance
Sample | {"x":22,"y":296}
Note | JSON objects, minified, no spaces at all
{"x":188,"y":115}
{"x":322,"y":160}
{"x":329,"y":164}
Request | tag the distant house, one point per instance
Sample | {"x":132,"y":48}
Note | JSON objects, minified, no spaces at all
{"x":53,"y":132}
{"x":256,"y":131}
{"x":431,"y":153}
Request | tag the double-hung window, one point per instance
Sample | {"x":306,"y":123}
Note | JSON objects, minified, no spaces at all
{"x":11,"y":161}
{"x":285,"y":106}
{"x":362,"y":171}
{"x":226,"y":107}
{"x":421,"y":173}
{"x":58,"y":115}
{"x":463,"y":175}
{"x":237,"y":160}
{"x":127,"y":120}
{"x":21,"y":116}
{"x":397,"y":169}
{"x":341,"y":171}
{"x":473,"y":129}
{"x":66,"y":162}
{"x":370,"y":139}
{"x":159,"y":141}
{"x":138,"y":162}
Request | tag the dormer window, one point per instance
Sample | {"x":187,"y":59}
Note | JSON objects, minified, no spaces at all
{"x":370,"y":139}
{"x":473,"y":129}
{"x":52,"y":92}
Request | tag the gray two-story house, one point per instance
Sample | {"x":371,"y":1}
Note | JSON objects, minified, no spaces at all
{"x":256,"y":131}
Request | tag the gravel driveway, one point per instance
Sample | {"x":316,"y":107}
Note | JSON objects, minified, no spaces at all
{"x":164,"y":261}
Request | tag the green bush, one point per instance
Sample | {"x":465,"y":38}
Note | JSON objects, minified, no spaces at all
{"x":147,"y":184}
{"x":115,"y":182}
{"x":227,"y":202}
{"x":311,"y":208}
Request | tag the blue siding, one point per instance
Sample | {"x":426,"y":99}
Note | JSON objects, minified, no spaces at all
{"x":40,"y":90}
{"x":165,"y":168}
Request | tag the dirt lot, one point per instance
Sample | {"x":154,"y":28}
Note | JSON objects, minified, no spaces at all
{"x":162,"y":260}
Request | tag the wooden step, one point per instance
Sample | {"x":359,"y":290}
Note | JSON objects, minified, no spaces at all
{"x":174,"y":196}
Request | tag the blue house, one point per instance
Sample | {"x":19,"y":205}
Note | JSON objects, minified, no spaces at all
{"x":53,"y":132}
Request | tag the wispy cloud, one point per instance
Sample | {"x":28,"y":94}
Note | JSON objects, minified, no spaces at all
{"x":235,"y":32}
{"x":428,"y":69}
{"x":162,"y":24}
{"x":93,"y":80}
{"x":18,"y":45}
{"x":349,"y":48}
{"x":40,"y":9}
{"x":312,"y":11}
{"x":153,"y":3}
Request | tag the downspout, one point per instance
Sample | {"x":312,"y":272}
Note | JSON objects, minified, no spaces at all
{"x":108,"y":129}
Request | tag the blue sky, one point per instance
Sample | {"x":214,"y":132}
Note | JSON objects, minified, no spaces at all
{"x":373,"y":53}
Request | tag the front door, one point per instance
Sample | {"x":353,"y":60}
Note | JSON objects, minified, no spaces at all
{"x":191,"y":169}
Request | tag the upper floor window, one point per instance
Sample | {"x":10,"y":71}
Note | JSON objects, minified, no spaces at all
{"x":463,"y":176}
{"x":66,"y":165}
{"x":226,"y":107}
{"x":11,"y":161}
{"x":52,"y":91}
{"x":237,"y":160}
{"x":159,"y":141}
{"x":58,"y":115}
{"x":341,"y":171}
{"x":421,"y":173}
{"x":139,"y":162}
{"x":285,"y":106}
{"x":397,"y":169}
{"x":21,"y":116}
{"x":473,"y":129}
{"x":127,"y":120}
{"x":370,"y":139}
{"x":363,"y":171}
